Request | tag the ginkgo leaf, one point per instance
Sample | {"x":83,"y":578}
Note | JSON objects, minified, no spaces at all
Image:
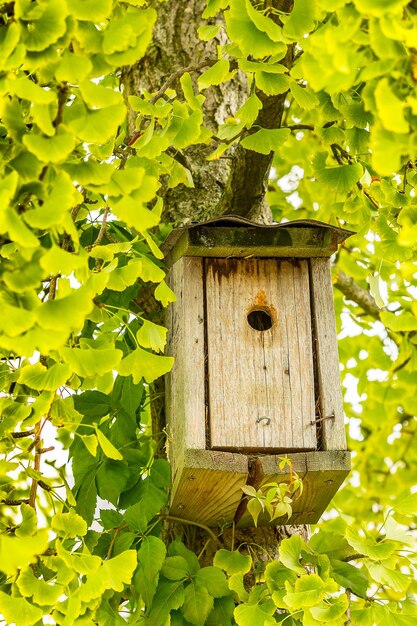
{"x":266,"y":141}
{"x":341,"y":178}
{"x":143,"y":364}
{"x":152,"y":335}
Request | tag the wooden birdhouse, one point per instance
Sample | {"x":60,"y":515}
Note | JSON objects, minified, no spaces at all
{"x":256,"y":374}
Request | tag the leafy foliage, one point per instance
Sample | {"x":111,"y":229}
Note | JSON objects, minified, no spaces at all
{"x":80,"y":221}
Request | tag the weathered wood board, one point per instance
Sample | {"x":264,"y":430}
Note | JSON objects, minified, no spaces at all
{"x":208,"y":485}
{"x":185,"y":395}
{"x":261,"y":382}
{"x":333,"y":436}
{"x":207,"y":488}
{"x":284,"y":240}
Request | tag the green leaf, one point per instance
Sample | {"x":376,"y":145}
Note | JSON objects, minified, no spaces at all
{"x":215,"y":75}
{"x":250,"y":614}
{"x":164,"y":294}
{"x":390,"y":108}
{"x":254,"y":509}
{"x":206,"y":33}
{"x":379,"y":7}
{"x":94,"y":404}
{"x":42,"y":592}
{"x":149,"y":501}
{"x":222,"y":612}
{"x":369,"y":546}
{"x":54,"y":209}
{"x":405,"y":322}
{"x":113,"y":574}
{"x":39,"y":377}
{"x":175,"y":568}
{"x":303,"y":96}
{"x":232,"y":562}
{"x":341,"y":178}
{"x":394,"y":579}
{"x":19,"y":611}
{"x":44,"y":25}
{"x":309,"y":590}
{"x":143,"y":364}
{"x":350,"y":577}
{"x":151,"y":556}
{"x":91,"y":10}
{"x":98,"y":125}
{"x":406,"y":504}
{"x":123,"y":277}
{"x":90,"y":442}
{"x":254,"y":33}
{"x":214,"y":580}
{"x":290,"y":553}
{"x":95,"y":95}
{"x":111,"y":479}
{"x":168,"y":596}
{"x":265,"y":141}
{"x":69,"y":525}
{"x":29,"y":523}
{"x":50,"y":149}
{"x":333,"y":609}
{"x":152,"y":335}
{"x":248,"y":112}
{"x":73,"y":68}
{"x":18,"y":552}
{"x":108,"y":448}
{"x":302,"y":19}
{"x":25,"y":88}
{"x":272,"y":84}
{"x":197,"y":603}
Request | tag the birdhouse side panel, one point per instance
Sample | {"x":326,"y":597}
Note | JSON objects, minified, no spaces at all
{"x":260,"y":363}
{"x":185,"y":390}
{"x":332,"y":427}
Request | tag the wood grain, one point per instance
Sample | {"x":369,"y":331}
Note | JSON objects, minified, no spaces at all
{"x":185,"y":395}
{"x":261,"y":383}
{"x":333,"y":435}
{"x":207,"y":488}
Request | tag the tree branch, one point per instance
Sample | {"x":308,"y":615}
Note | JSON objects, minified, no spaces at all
{"x":359,"y":295}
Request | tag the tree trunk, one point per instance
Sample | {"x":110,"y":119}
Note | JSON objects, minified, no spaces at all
{"x":236,"y":184}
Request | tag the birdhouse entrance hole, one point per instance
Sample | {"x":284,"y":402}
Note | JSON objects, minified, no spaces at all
{"x":260,"y":320}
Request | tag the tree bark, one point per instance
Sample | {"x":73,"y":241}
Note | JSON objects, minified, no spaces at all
{"x":236,"y":184}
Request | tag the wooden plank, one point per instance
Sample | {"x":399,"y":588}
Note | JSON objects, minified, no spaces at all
{"x":322,"y":474}
{"x":261,"y":382}
{"x":185,"y":390}
{"x":207,"y":489}
{"x":332,"y":431}
{"x":227,"y":241}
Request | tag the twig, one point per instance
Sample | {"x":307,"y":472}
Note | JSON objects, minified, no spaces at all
{"x":353,"y":557}
{"x":15,"y":502}
{"x":186,"y":521}
{"x":309,"y":126}
{"x":113,"y":539}
{"x":103,"y":226}
{"x":36,"y":467}
{"x":28,"y":433}
{"x":348,"y":595}
{"x":171,"y":80}
{"x":62,"y":100}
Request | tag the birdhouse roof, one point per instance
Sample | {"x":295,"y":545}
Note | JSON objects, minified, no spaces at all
{"x":234,"y":236}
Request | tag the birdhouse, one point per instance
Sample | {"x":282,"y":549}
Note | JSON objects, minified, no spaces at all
{"x":256,"y":373}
